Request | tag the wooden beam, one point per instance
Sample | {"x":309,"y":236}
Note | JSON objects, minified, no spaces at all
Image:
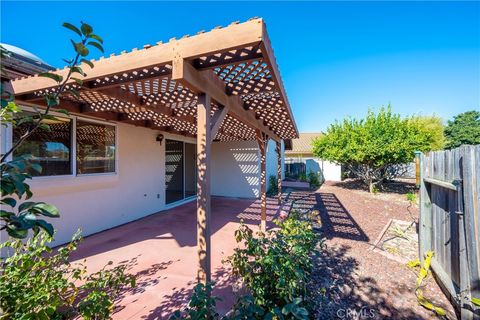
{"x":262,"y":140}
{"x":232,"y":37}
{"x":204,"y":139}
{"x":217,"y":120}
{"x":278,"y":149}
{"x":269,"y":58}
{"x":207,"y":81}
{"x":229,"y":58}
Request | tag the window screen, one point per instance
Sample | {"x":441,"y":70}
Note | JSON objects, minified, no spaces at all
{"x":95,"y":147}
{"x":51,"y":149}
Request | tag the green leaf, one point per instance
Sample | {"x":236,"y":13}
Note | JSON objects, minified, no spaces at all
{"x":94,"y":36}
{"x":17,"y":233}
{"x":77,"y":80}
{"x":80,"y":48}
{"x":36,"y":167}
{"x":86,"y":29}
{"x":6,"y":214}
{"x":53,"y":76}
{"x":72,"y":27}
{"x":45,"y":226}
{"x":77,"y":69}
{"x":9,"y":201}
{"x":26,"y":205}
{"x":90,"y":64}
{"x":96,"y":45}
{"x":47,"y":210}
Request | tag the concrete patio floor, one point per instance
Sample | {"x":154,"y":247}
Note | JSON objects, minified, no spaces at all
{"x":161,"y":251}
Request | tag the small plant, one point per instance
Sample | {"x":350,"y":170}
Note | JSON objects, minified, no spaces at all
{"x":38,"y":283}
{"x":272,"y":185}
{"x":302,"y":177}
{"x":412,"y":197}
{"x":275,"y":267}
{"x":314,"y":179}
{"x":202,"y":305}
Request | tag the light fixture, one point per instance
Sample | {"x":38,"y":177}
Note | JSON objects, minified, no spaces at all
{"x":160,"y":138}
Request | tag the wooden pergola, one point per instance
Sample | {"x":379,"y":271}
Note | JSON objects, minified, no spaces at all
{"x":221,"y":85}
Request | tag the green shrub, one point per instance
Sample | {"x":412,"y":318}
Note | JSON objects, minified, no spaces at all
{"x":302,"y":177}
{"x":272,"y":185}
{"x":275,"y":267}
{"x":314,"y":179}
{"x":202,"y":305}
{"x":38,"y":283}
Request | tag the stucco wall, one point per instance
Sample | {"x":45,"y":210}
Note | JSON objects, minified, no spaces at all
{"x":102,"y":201}
{"x":330,"y":170}
{"x":236,"y":168}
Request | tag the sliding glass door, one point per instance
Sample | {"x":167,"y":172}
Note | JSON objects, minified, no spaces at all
{"x":180,"y":170}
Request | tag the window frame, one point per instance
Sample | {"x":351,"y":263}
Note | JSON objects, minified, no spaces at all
{"x":73,"y":141}
{"x":114,"y":125}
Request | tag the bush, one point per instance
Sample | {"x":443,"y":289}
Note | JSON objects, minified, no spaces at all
{"x":275,"y":267}
{"x":201,"y":306}
{"x":37,"y":283}
{"x":314,"y":179}
{"x":272,"y":185}
{"x":302,"y":177}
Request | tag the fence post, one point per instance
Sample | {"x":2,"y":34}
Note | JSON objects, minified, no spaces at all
{"x":425,"y":211}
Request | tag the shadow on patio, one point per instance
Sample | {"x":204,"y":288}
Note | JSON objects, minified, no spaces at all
{"x":161,"y":251}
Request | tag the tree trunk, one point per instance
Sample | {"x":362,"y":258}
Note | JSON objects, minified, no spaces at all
{"x":371,"y":186}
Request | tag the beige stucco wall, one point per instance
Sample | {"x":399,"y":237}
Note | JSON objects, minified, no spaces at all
{"x":102,"y":201}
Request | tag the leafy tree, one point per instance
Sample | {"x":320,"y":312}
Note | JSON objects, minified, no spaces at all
{"x":370,"y":147}
{"x":17,"y":221}
{"x":432,"y":129}
{"x":463,"y":129}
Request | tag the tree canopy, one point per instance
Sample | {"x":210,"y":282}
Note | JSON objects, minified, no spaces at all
{"x":463,"y":129}
{"x":370,"y":146}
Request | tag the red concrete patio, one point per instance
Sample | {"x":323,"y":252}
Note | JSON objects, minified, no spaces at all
{"x":161,"y":251}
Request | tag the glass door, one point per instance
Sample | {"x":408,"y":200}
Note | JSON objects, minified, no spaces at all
{"x":173,"y":171}
{"x":180,"y":170}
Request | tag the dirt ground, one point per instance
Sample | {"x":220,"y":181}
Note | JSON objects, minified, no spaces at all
{"x":352,"y":281}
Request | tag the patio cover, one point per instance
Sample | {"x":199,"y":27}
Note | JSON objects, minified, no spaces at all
{"x":221,"y":85}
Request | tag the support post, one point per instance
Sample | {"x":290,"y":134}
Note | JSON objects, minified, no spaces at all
{"x":262,"y":140}
{"x":203,"y":188}
{"x":279,"y":171}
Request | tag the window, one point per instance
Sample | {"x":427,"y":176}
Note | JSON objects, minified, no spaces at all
{"x":93,"y":143}
{"x":95,"y":147}
{"x":51,"y":149}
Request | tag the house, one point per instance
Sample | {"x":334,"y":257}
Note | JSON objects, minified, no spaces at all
{"x":299,"y":158}
{"x":159,"y":126}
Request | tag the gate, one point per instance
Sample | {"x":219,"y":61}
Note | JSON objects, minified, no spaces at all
{"x":449,"y":222}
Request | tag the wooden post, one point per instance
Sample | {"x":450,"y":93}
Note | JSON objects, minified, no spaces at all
{"x":262,"y":141}
{"x":279,"y":171}
{"x":203,"y":187}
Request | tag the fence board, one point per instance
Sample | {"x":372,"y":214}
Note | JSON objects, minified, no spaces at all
{"x":449,"y":222}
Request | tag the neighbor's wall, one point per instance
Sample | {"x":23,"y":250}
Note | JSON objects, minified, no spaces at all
{"x":330,"y":170}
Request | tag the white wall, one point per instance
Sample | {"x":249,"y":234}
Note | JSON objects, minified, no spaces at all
{"x":236,"y":168}
{"x":98,"y":202}
{"x":330,"y":170}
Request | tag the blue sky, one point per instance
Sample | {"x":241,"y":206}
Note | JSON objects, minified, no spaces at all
{"x":336,"y":58}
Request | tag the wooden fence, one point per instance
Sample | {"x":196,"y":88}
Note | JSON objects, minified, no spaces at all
{"x":449,"y":222}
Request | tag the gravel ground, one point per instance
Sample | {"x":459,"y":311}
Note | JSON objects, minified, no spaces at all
{"x":351,"y":281}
